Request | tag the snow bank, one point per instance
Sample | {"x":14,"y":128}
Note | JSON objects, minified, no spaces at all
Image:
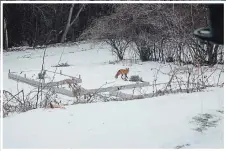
{"x":161,"y":122}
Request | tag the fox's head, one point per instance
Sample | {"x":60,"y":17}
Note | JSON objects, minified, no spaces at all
{"x":127,"y":69}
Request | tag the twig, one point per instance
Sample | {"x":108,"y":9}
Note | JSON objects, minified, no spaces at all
{"x":13,"y":96}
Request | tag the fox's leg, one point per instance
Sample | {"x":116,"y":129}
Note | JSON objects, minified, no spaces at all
{"x":126,"y":77}
{"x":122,"y":76}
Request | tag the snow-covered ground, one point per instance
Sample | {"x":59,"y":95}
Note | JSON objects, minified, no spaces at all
{"x":161,"y":122}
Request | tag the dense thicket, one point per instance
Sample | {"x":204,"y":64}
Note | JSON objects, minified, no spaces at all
{"x":160,"y":32}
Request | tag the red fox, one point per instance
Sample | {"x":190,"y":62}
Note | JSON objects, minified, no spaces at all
{"x":122,"y":72}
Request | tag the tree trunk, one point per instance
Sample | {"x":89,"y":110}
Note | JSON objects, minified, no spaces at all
{"x":210,"y":53}
{"x":161,"y":49}
{"x":221,"y":57}
{"x":179,"y":52}
{"x":215,"y":50}
{"x":154,"y":49}
{"x":69,"y":23}
{"x":6,"y":42}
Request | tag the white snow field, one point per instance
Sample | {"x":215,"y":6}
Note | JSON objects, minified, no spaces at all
{"x":159,"y":122}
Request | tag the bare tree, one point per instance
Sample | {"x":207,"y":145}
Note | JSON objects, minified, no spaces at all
{"x":69,"y":22}
{"x":5,"y":34}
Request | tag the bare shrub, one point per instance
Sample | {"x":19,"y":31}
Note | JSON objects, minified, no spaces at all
{"x":119,"y":47}
{"x":135,"y":78}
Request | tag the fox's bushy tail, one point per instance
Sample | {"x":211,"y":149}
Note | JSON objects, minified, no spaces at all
{"x":117,"y":74}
